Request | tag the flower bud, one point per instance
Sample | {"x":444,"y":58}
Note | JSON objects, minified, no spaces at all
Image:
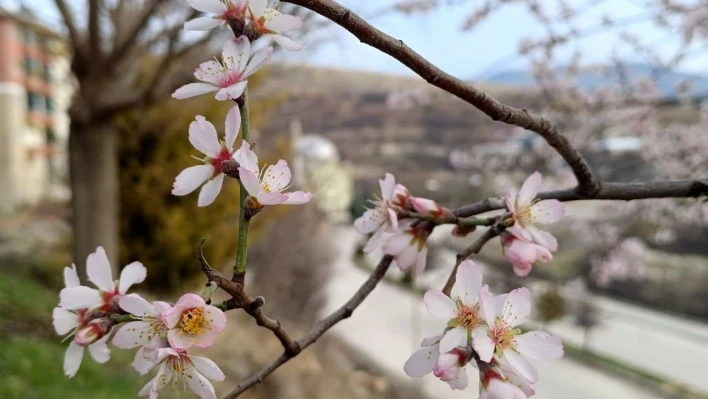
{"x":93,"y":331}
{"x":401,"y":197}
{"x":429,"y":207}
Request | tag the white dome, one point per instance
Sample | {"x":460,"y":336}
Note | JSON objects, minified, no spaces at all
{"x":315,"y":147}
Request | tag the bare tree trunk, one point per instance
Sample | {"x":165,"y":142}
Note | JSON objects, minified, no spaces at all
{"x":94,"y":187}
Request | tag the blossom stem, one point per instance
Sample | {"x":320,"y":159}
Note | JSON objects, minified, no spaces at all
{"x":475,"y":221}
{"x":243,"y":220}
{"x":122,"y":318}
{"x":470,"y":221}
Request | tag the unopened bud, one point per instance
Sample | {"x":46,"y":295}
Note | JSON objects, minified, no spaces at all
{"x":93,"y":331}
{"x":429,"y":207}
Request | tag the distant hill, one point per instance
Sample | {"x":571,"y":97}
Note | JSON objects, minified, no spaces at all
{"x":667,"y":80}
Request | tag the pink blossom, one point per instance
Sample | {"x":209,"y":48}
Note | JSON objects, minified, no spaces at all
{"x":228,"y":77}
{"x":523,"y":254}
{"x":423,"y":360}
{"x":100,"y":274}
{"x":503,"y":314}
{"x":271,"y":23}
{"x":192,"y":322}
{"x":462,"y":312}
{"x":382,"y":218}
{"x":498,"y":380}
{"x":528,"y":212}
{"x":266,"y":186}
{"x":428,"y":207}
{"x":180,"y":368}
{"x":202,"y":135}
{"x":450,"y":367}
{"x":91,"y":335}
{"x":150,"y":330}
{"x":223,"y":11}
{"x":408,"y":248}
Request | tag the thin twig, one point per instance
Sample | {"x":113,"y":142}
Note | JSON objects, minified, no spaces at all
{"x":243,"y":219}
{"x":587,"y":183}
{"x":321,"y":327}
{"x":476,"y":246}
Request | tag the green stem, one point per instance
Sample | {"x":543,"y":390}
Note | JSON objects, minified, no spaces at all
{"x":243,"y":221}
{"x":475,"y":221}
{"x":122,"y":318}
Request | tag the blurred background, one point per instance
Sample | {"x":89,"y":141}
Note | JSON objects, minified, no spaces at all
{"x":90,"y":143}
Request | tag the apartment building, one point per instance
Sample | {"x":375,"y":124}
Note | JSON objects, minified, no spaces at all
{"x":35,"y":93}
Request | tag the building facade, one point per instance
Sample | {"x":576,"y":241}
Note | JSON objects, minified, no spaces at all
{"x":35,"y":93}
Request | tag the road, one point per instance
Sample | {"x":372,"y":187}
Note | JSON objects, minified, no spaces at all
{"x":385,"y":328}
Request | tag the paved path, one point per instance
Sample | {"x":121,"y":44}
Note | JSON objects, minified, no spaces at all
{"x":384,"y":326}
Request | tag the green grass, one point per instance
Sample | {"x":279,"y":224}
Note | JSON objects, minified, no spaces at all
{"x":32,"y":355}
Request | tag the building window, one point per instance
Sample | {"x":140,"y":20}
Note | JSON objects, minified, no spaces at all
{"x":30,"y":36}
{"x":35,"y":102}
{"x":50,"y":105}
{"x":48,"y":76}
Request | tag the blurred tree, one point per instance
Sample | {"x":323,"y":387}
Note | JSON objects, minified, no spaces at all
{"x":550,"y":305}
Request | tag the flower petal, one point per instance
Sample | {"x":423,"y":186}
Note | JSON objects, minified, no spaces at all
{"x":163,"y":377}
{"x":232,"y":92}
{"x":193,"y":90}
{"x":482,"y":343}
{"x":71,"y":279}
{"x":250,"y":181}
{"x":179,"y":341}
{"x":80,"y":297}
{"x":369,"y":222}
{"x":133,"y":334}
{"x":141,"y":364}
{"x":392,"y":219}
{"x":161,"y":306}
{"x":487,"y":305}
{"x":64,"y":320}
{"x":511,"y":199}
{"x":215,"y":6}
{"x":210,"y":190}
{"x":72,"y":359}
{"x":440,"y":305}
{"x":422,"y":361}
{"x":258,"y":61}
{"x":298,"y":198}
{"x":276,"y":177}
{"x":284,"y":23}
{"x":99,"y":270}
{"x":430,"y":341}
{"x":272,"y":198}
{"x":258,"y":7}
{"x":191,"y":178}
{"x":236,"y":52}
{"x":133,"y":273}
{"x":544,"y":238}
{"x":529,"y":189}
{"x":137,"y":305}
{"x":521,"y":365}
{"x":99,"y":350}
{"x":388,"y":184}
{"x":246,"y":158}
{"x":286,"y":43}
{"x":233,"y":125}
{"x":517,"y":306}
{"x":406,"y":259}
{"x":468,"y":281}
{"x":210,"y":72}
{"x":373,"y":241}
{"x":207,"y":368}
{"x":460,"y":382}
{"x":547,"y":211}
{"x":539,"y":345}
{"x":199,"y":384}
{"x":217,"y":318}
{"x":453,"y":338}
{"x":420,"y":260}
{"x":203,"y":23}
{"x":202,"y":135}
{"x":397,"y":244}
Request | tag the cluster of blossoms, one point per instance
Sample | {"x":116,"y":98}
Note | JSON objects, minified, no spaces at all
{"x":164,"y":332}
{"x":482,"y":330}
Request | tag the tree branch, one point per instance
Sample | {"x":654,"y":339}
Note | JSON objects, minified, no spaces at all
{"x":66,"y":15}
{"x":588,"y":185}
{"x":94,"y":30}
{"x":136,"y":27}
{"x":321,"y":327}
{"x":688,"y":188}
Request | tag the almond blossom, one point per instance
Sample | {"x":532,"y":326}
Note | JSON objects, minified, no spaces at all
{"x":203,"y":136}
{"x":408,"y":248}
{"x":149,"y":331}
{"x":271,"y":22}
{"x":523,"y":254}
{"x":462,"y":312}
{"x":428,"y":207}
{"x":450,"y":367}
{"x":497,"y":382}
{"x":426,"y":360}
{"x":192,"y":322}
{"x":228,"y":77}
{"x":382,"y":218}
{"x":223,"y":11}
{"x":503,"y":315}
{"x":181,"y":369}
{"x":266,"y":186}
{"x":101,"y":275}
{"x":528,"y":212}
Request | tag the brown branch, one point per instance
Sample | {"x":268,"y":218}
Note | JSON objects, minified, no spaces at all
{"x":137,"y":26}
{"x":94,"y":30}
{"x":476,"y":246}
{"x":241,"y":300}
{"x":366,"y":33}
{"x":321,"y":327}
{"x":688,"y":188}
{"x":74,"y":37}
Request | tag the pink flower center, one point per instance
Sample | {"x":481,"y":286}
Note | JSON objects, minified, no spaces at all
{"x":503,"y":335}
{"x":467,"y":316}
{"x":229,"y":77}
{"x":108,"y":299}
{"x":224,"y":155}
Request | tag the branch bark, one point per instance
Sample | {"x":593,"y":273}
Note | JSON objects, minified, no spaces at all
{"x":66,"y":15}
{"x":321,"y":327}
{"x":588,"y":185}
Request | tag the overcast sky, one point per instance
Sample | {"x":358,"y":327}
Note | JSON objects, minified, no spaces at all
{"x":488,"y":49}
